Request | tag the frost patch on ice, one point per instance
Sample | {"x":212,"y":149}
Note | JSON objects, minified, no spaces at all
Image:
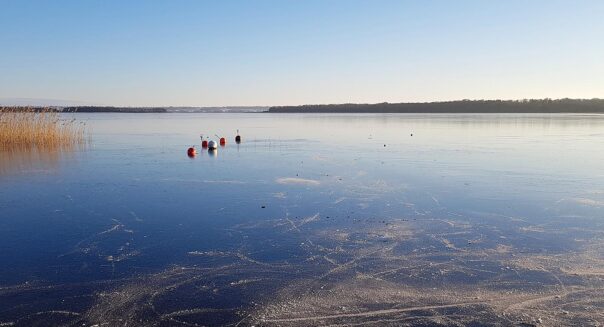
{"x":589,"y":202}
{"x":279,"y":195}
{"x":297,"y":181}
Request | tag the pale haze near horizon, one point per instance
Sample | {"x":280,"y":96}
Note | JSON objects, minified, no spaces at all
{"x":219,"y":53}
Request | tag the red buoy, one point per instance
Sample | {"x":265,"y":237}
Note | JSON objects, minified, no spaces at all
{"x":222,"y":141}
{"x":191,"y":152}
{"x":204,"y":144}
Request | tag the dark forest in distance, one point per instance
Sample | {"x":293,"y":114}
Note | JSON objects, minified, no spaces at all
{"x":114,"y":109}
{"x":462,"y":106}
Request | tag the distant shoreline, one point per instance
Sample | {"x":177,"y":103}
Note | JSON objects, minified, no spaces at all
{"x":532,"y":106}
{"x":535,"y":106}
{"x":111,"y":109}
{"x":115,"y":109}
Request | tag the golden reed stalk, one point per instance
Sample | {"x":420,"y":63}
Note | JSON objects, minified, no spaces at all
{"x":36,"y":139}
{"x":27,"y":128}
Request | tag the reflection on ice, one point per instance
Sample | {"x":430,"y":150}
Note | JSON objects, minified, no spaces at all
{"x":34,"y":159}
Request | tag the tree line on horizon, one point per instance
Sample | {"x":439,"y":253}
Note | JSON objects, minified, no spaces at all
{"x":114,"y":109}
{"x":84,"y":109}
{"x":461,"y":106}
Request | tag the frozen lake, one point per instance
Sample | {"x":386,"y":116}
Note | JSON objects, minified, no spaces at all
{"x":314,"y":219}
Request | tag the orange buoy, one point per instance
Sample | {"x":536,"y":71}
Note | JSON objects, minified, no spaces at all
{"x":222,"y":141}
{"x":204,"y":144}
{"x":191,"y":152}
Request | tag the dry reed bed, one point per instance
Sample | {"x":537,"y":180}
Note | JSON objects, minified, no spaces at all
{"x":28,"y":129}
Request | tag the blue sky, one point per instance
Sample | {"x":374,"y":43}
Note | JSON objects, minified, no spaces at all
{"x":215,"y":53}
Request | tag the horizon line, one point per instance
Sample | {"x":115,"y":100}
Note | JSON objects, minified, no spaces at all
{"x":266,"y":106}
